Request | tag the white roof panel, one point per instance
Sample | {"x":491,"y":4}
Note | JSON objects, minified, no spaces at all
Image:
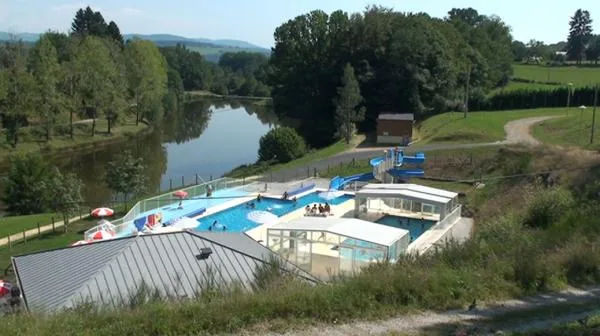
{"x":349,"y":227}
{"x":399,"y":193}
{"x":413,"y":187}
{"x":397,"y":116}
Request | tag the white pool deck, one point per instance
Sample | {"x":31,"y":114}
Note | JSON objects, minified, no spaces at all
{"x":452,"y":227}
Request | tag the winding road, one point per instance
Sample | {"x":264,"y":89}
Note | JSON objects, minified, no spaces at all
{"x":517,"y":132}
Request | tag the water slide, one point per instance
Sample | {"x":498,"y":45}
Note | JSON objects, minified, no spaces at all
{"x":389,"y":164}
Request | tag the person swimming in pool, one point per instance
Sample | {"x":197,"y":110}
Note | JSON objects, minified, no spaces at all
{"x":259,"y":198}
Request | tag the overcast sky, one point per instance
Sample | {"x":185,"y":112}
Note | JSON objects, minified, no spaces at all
{"x":255,"y":20}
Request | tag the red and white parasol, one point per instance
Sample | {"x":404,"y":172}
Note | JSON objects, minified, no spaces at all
{"x":102,"y":235}
{"x":180,"y":194}
{"x":102,"y":212}
{"x":81,"y":242}
{"x":5,"y":288}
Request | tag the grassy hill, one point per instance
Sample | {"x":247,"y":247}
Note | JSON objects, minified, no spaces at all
{"x":579,"y":76}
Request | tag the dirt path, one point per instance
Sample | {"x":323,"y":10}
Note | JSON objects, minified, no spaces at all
{"x":34,"y":233}
{"x":479,"y":318}
{"x":519,"y":131}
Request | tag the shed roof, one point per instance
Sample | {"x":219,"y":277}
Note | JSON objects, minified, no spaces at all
{"x":413,"y":187}
{"x":110,"y":272}
{"x":414,"y":195}
{"x":396,"y":116}
{"x":349,"y":227}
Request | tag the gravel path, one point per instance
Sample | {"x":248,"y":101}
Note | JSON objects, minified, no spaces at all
{"x":428,"y":321}
{"x":517,"y":131}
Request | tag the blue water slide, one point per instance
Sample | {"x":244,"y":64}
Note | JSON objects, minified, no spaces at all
{"x":419,"y":158}
{"x":338,"y":183}
{"x":377,"y":161}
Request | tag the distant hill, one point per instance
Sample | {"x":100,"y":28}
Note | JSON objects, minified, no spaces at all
{"x":211,"y":49}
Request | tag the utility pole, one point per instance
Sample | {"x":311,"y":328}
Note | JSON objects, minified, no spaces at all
{"x":570,"y":87}
{"x":467,"y":92}
{"x":594,"y":115}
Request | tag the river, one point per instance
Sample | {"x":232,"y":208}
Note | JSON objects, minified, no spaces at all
{"x":206,"y":138}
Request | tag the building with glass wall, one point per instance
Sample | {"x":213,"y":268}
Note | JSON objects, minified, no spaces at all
{"x":407,"y":199}
{"x":328,"y":247}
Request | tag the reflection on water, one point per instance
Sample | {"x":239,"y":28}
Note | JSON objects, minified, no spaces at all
{"x":204,"y":137}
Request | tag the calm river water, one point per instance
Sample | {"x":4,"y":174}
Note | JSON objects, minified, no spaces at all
{"x":208,"y":138}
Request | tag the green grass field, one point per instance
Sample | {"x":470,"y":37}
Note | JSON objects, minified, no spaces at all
{"x":16,"y":224}
{"x":579,"y":76}
{"x":574,"y":130}
{"x":452,"y":127}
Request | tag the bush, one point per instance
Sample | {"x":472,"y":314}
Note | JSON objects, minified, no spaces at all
{"x":547,"y":206}
{"x":281,"y":144}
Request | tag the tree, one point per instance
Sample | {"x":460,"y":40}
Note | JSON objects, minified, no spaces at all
{"x":147,"y":77}
{"x":579,"y":35}
{"x":65,"y":194}
{"x":281,"y":144}
{"x":45,"y":70}
{"x":519,"y":50}
{"x":114,"y":32}
{"x":99,"y":84}
{"x":27,"y":184}
{"x":18,"y":99}
{"x":348,"y":112}
{"x":125,"y":175}
{"x":88,"y":22}
{"x":592,"y":53}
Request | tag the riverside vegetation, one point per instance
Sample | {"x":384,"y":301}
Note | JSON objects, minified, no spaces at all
{"x":544,"y":245}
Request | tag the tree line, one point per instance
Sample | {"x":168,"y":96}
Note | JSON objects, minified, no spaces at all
{"x":402,"y":62}
{"x":93,"y":73}
{"x":581,"y":44}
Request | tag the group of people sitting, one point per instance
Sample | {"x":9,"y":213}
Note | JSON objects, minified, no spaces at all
{"x":217,"y":226}
{"x":321,"y":210}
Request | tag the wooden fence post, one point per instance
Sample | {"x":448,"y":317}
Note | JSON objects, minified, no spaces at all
{"x":170,"y":184}
{"x":9,"y":243}
{"x":39,"y":232}
{"x":52,"y":223}
{"x":182,"y":181}
{"x":24,"y":237}
{"x":196,"y":178}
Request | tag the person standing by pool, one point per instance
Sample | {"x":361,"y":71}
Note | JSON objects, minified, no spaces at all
{"x":259,"y":198}
{"x":209,"y":191}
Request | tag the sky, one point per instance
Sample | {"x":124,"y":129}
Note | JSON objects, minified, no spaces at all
{"x":255,"y":20}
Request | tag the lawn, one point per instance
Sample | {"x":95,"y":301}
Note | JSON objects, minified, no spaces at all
{"x":452,"y":127}
{"x":574,"y":130}
{"x":579,"y":76}
{"x":17,"y":224}
{"x":30,"y":140}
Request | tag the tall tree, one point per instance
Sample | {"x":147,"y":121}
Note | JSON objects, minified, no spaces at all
{"x":18,"y":99}
{"x":147,"y":77}
{"x":348,"y":110}
{"x":114,"y":32}
{"x":592,"y":53}
{"x":26,"y":186}
{"x":99,"y":78}
{"x":580,"y":32}
{"x":46,"y":70}
{"x":88,"y":22}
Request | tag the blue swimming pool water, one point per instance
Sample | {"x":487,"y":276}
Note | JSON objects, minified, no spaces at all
{"x":235,"y":218}
{"x":416,"y":227}
{"x":361,"y":254}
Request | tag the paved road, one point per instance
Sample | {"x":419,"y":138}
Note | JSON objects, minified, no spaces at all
{"x":517,"y":131}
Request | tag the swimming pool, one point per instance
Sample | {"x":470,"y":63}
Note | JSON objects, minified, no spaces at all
{"x":235,"y":219}
{"x":363,"y":251}
{"x":416,"y":227}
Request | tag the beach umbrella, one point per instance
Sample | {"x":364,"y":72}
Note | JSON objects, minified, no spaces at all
{"x":180,"y":194}
{"x":102,"y":212}
{"x":5,"y":288}
{"x":102,"y":235}
{"x":80,"y":242}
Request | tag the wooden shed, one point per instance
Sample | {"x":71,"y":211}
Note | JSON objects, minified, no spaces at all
{"x":395,"y":128}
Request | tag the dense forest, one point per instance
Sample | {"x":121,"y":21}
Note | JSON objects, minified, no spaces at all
{"x":403,"y":63}
{"x":93,"y":73}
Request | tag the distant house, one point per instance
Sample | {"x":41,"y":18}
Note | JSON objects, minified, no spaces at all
{"x":110,"y":273}
{"x":395,"y":128}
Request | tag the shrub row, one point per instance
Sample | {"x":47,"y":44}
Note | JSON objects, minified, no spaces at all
{"x":533,"y":98}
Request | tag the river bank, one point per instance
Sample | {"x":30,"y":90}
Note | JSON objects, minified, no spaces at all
{"x":82,"y":141}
